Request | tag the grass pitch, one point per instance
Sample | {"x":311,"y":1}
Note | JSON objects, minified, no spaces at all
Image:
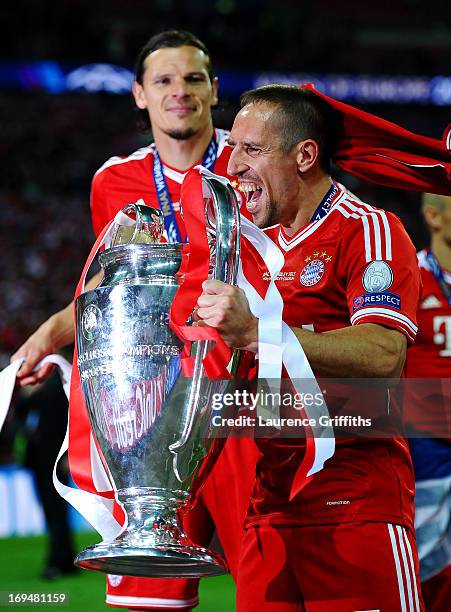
{"x":22,"y":560}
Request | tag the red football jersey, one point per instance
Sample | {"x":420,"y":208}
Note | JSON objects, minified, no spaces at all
{"x":427,"y":403}
{"x":355,"y":265}
{"x":121,"y":181}
{"x":124,"y":180}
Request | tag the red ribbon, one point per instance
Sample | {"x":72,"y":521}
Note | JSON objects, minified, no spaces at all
{"x":194,"y":270}
{"x":382,"y":152}
{"x":79,"y":425}
{"x":195,"y":267}
{"x":300,"y":479}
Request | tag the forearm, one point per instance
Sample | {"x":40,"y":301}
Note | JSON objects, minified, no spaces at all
{"x":55,"y":333}
{"x":361,"y":351}
{"x":59,"y":328}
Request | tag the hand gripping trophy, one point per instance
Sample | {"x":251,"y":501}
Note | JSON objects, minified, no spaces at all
{"x":152,"y":423}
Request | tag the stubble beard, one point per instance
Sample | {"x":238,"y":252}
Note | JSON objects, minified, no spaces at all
{"x":185,"y":134}
{"x":271,"y":216}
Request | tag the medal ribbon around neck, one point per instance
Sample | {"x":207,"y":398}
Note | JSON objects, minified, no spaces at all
{"x":439,"y":276}
{"x":163,"y":195}
{"x":324,"y":205}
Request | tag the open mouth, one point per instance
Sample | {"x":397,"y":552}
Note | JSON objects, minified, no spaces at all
{"x":253,"y":193}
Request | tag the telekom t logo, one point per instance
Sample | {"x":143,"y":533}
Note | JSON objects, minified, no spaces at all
{"x":442,"y":334}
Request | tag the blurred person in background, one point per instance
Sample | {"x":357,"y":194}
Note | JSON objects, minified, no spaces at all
{"x":117,"y":179}
{"x":44,"y":416}
{"x":174,"y":92}
{"x":428,"y":407}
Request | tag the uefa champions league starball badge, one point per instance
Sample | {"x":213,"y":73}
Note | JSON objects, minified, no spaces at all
{"x":91,"y":322}
{"x":378,"y":277}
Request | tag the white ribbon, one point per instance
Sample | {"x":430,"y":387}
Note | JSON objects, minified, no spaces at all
{"x":277,"y":344}
{"x":96,"y":509}
{"x":7,"y":383}
{"x":268,"y":310}
{"x":8,"y":380}
{"x":299,"y":369}
{"x":280,"y":344}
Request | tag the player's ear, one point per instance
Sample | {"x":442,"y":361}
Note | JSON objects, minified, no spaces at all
{"x":307,"y":154}
{"x":433,"y":217}
{"x":138,"y":94}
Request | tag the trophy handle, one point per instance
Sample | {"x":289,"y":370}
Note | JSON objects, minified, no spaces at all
{"x":228,"y":230}
{"x":226,"y":262}
{"x":146,"y":227}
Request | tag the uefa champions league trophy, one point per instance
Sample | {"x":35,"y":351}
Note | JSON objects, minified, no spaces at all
{"x":153,"y":424}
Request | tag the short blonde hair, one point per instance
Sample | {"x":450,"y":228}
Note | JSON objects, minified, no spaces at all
{"x":434,"y":200}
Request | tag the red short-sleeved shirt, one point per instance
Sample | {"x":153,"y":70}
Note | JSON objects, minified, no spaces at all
{"x":427,"y":402}
{"x":356,"y":265}
{"x":124,"y":180}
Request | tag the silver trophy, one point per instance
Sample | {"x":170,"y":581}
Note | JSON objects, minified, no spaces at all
{"x":153,"y":424}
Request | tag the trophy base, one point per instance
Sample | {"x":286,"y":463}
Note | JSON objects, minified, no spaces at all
{"x":169,"y":561}
{"x":153,"y":544}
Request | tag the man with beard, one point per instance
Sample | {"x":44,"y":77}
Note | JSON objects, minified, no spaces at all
{"x":174,"y":91}
{"x":344,"y":541}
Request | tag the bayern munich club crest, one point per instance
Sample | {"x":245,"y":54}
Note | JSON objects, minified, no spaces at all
{"x":312,"y":273}
{"x":114,"y":580}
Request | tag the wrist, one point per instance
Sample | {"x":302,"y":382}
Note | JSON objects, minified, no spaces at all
{"x":251,"y":337}
{"x":59,"y":329}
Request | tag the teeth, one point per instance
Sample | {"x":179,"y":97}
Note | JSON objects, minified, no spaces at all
{"x":248,"y":188}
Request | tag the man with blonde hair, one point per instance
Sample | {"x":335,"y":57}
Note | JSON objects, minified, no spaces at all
{"x":428,"y":407}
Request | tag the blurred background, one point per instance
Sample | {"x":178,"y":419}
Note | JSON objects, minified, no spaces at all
{"x":62,"y":63}
{"x":65,"y":75}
